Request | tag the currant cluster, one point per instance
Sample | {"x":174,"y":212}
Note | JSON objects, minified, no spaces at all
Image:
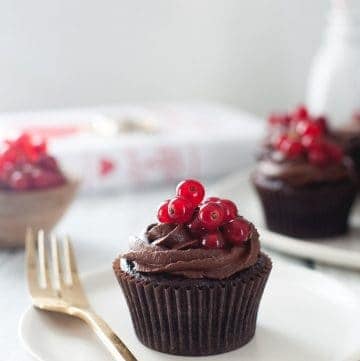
{"x":298,"y":134}
{"x":25,"y":165}
{"x":214,"y":221}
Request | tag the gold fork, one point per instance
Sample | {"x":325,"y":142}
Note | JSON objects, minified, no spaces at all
{"x":63,"y":291}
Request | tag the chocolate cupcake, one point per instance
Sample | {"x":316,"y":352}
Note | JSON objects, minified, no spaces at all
{"x":349,"y":138}
{"x":305,"y":183}
{"x":193,"y":284}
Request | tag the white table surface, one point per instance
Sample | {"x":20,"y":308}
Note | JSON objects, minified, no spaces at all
{"x":100,"y":227}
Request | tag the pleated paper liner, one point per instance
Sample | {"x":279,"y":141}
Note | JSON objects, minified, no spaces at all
{"x":308,"y":212}
{"x":195,"y":317}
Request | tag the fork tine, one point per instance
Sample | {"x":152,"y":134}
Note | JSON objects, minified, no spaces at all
{"x":70,"y":261}
{"x":30,"y":259}
{"x":30,"y":247}
{"x":57,"y":270}
{"x":43,"y":264}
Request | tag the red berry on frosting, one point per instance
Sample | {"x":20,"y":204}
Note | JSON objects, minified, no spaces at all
{"x":18,"y":181}
{"x":43,"y":179}
{"x":230,"y":209}
{"x":192,"y":190}
{"x":308,"y":141}
{"x":195,"y":226}
{"x":48,"y":162}
{"x":300,"y":112}
{"x":213,"y":240}
{"x":180,"y":210}
{"x":290,"y":147}
{"x":309,"y":128}
{"x":163,"y":213}
{"x":237,"y":231}
{"x":211,"y":215}
{"x":322,"y":123}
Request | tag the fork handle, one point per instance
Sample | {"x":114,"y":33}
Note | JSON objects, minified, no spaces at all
{"x":111,"y":341}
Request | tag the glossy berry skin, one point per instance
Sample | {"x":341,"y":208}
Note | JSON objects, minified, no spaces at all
{"x":300,"y":112}
{"x":308,"y":141}
{"x":236,"y":231}
{"x":192,"y":190}
{"x":163,"y":213}
{"x":211,"y":215}
{"x":309,"y":128}
{"x":44,"y":179}
{"x":322,"y":123}
{"x":48,"y":162}
{"x":180,"y":210}
{"x":213,"y":240}
{"x":195,"y":226}
{"x":19,"y":181}
{"x":290,"y":147}
{"x":230,"y":209}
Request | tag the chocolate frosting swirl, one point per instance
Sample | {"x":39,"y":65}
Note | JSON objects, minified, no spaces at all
{"x":299,"y":172}
{"x":171,"y":249}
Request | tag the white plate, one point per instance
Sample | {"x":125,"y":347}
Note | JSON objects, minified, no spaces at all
{"x":304,"y":316}
{"x":343,"y":251}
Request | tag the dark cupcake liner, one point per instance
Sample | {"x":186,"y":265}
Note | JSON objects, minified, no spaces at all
{"x":195,"y":317}
{"x":312,"y":212}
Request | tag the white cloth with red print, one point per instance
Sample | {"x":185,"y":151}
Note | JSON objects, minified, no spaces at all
{"x":166,"y":142}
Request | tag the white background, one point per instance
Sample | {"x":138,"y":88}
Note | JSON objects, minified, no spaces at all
{"x":251,"y":53}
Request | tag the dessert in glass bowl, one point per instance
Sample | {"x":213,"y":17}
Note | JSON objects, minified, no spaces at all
{"x":194,"y":280}
{"x":34,"y":191}
{"x":305,"y":182}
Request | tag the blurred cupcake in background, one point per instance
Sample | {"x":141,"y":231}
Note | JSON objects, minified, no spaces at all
{"x":349,"y":137}
{"x":34,"y":191}
{"x":306,"y":184}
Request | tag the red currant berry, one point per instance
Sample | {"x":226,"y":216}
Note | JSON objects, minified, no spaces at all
{"x":237,"y":231}
{"x":230,"y":209}
{"x":290,"y":147}
{"x":322,"y":123}
{"x":211,"y":215}
{"x":23,"y":140}
{"x":300,"y":112}
{"x":195,"y":226}
{"x":10,"y":155}
{"x":308,"y":141}
{"x":7,"y":169}
{"x":163,"y":213}
{"x":213,"y":240}
{"x":40,"y":146}
{"x":318,"y":155}
{"x":180,"y":210}
{"x":192,"y":190}
{"x":44,"y":179}
{"x":48,"y":162}
{"x":310,"y":128}
{"x":279,"y":119}
{"x":18,"y":181}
